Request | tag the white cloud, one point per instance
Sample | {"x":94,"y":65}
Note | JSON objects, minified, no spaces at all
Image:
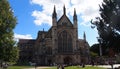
{"x":41,"y":17}
{"x":87,"y":9}
{"x":20,"y":36}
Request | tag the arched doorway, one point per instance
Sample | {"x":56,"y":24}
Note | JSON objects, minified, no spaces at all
{"x":49,"y":62}
{"x":67,"y":60}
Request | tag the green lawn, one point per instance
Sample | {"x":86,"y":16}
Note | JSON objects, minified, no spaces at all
{"x":77,"y":67}
{"x":19,"y":67}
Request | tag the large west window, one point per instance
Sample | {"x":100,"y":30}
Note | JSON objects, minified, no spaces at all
{"x":64,"y":42}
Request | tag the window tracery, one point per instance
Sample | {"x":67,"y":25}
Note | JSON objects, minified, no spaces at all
{"x":64,"y":42}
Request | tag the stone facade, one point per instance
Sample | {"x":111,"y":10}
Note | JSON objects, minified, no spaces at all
{"x":26,"y":48}
{"x":58,"y":45}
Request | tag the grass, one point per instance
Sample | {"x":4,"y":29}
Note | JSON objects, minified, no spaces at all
{"x":19,"y":67}
{"x":77,"y":67}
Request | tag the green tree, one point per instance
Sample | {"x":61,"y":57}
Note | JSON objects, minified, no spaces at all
{"x":95,"y":49}
{"x":108,"y":24}
{"x":8,"y":51}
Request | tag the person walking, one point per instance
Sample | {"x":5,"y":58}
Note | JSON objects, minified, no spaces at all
{"x":111,"y":63}
{"x":58,"y":66}
{"x":62,"y":66}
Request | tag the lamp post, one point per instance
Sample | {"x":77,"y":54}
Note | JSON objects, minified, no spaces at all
{"x":100,"y":48}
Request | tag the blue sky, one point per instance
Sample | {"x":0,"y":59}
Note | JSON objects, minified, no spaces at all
{"x":34,"y":15}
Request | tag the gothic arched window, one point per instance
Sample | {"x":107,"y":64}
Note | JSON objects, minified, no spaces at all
{"x":64,"y":42}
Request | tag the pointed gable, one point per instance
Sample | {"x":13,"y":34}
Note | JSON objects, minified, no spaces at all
{"x":64,"y":21}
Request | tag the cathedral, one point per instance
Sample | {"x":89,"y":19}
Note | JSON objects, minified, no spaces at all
{"x":58,"y":45}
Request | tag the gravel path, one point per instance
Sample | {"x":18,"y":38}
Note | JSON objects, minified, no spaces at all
{"x":38,"y":68}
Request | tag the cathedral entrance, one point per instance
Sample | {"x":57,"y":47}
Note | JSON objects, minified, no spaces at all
{"x":49,"y":62}
{"x":68,"y":60}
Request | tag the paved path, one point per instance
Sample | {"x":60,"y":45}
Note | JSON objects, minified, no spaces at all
{"x":109,"y":66}
{"x":38,"y":67}
{"x":104,"y":66}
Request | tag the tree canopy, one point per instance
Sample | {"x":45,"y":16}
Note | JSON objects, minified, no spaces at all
{"x":8,"y":52}
{"x":108,"y":24}
{"x":95,"y":48}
